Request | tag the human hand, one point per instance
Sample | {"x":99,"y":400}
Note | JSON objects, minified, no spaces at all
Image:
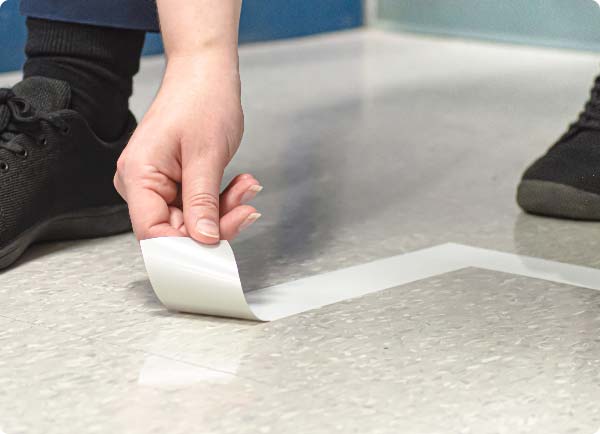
{"x":171,"y":170}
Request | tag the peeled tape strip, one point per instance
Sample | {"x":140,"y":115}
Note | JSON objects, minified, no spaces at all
{"x":191,"y":277}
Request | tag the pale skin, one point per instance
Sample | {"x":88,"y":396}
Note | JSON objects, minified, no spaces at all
{"x":171,"y":171}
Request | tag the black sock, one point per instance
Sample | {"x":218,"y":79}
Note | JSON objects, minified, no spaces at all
{"x":98,"y":63}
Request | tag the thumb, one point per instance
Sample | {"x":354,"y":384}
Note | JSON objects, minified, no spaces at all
{"x":201,"y":180}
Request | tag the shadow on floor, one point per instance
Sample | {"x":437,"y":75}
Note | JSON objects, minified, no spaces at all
{"x":39,"y":250}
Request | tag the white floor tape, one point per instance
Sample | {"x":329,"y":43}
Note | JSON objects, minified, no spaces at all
{"x":191,"y":277}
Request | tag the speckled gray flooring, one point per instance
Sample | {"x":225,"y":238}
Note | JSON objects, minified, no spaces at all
{"x":368,"y":145}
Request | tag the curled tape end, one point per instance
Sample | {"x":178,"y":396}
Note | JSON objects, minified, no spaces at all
{"x":188,"y":276}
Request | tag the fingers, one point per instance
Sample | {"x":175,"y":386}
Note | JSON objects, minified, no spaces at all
{"x":150,"y":216}
{"x":246,"y":179}
{"x":235,"y":216}
{"x":237,"y":220}
{"x":200,"y":193}
{"x":237,"y":179}
{"x":148,"y":209}
{"x":241,"y":190}
{"x":153,"y":217}
{"x":176,"y":220}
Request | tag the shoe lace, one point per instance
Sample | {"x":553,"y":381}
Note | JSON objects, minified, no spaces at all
{"x":589,"y":118}
{"x":17,"y":116}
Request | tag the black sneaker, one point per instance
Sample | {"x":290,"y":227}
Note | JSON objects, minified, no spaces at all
{"x":55,"y":174}
{"x":566,"y":181}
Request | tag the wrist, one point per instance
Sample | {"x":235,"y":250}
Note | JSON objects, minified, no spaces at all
{"x":215,"y":65}
{"x":200,"y":27}
{"x":217,"y":46}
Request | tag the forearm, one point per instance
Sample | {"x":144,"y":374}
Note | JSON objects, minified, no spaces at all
{"x":200,"y":27}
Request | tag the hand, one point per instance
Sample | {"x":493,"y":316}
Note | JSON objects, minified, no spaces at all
{"x":171,"y":170}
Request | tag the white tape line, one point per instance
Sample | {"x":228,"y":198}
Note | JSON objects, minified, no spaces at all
{"x":191,"y":277}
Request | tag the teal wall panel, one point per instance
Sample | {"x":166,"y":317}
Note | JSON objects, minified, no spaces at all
{"x":558,"y":23}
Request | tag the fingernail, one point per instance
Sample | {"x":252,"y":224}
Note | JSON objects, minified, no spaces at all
{"x":208,"y":228}
{"x":251,"y":193}
{"x":249,"y":220}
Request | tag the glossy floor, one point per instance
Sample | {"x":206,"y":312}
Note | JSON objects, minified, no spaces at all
{"x":368,"y":145}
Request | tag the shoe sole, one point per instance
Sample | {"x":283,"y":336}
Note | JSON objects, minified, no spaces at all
{"x":557,"y":200}
{"x":88,"y":223}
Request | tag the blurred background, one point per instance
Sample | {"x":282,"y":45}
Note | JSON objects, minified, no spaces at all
{"x":262,"y":20}
{"x":557,"y":23}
